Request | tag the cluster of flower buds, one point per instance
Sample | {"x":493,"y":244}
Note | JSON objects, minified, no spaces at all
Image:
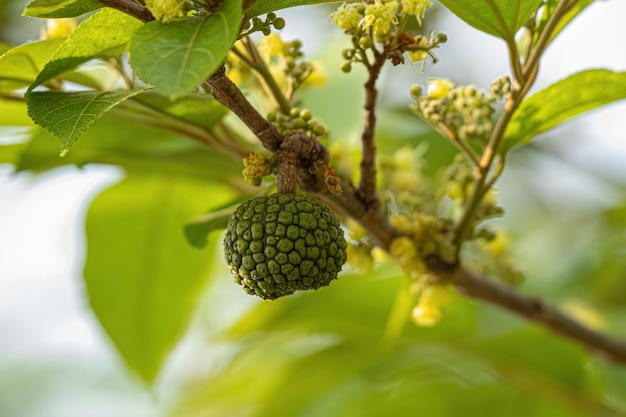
{"x":264,"y":25}
{"x":462,"y":110}
{"x":459,"y":180}
{"x":500,"y":87}
{"x":432,"y":297}
{"x":297,"y":121}
{"x":256,"y":167}
{"x":383,"y":21}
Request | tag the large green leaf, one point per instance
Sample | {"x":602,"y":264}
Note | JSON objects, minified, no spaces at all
{"x":198,"y":109}
{"x":562,"y":100}
{"x":255,"y":8}
{"x":19,"y":66}
{"x":60,"y":8}
{"x":198,"y":230}
{"x":104,"y":34}
{"x":141,"y":276}
{"x":177,"y":57}
{"x":569,"y":16}
{"x":68,"y":115}
{"x":501,"y":18}
{"x":13,"y":113}
{"x":118,"y":139}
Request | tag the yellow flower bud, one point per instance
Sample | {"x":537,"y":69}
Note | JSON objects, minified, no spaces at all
{"x":439,"y":87}
{"x":426,"y":316}
{"x":59,"y":28}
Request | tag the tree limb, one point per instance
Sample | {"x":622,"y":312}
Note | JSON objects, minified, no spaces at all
{"x":377,"y":225}
{"x":367,"y":185}
{"x":130,"y":8}
{"x":228,"y":94}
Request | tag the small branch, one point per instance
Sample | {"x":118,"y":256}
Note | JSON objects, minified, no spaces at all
{"x":228,"y":94}
{"x":536,"y":310}
{"x":130,"y":8}
{"x":258,"y":65}
{"x":376,"y":223}
{"x":286,"y":164}
{"x":367,"y":186}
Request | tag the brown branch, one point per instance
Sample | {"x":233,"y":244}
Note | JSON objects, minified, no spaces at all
{"x":131,"y":8}
{"x":534,"y":309}
{"x":228,"y":94}
{"x":287,"y":164}
{"x":311,"y":179}
{"x":367,"y":185}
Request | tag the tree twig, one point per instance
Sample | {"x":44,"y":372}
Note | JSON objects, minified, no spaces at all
{"x":377,"y":225}
{"x":535,"y":309}
{"x":367,"y":185}
{"x":130,"y":8}
{"x":228,"y":94}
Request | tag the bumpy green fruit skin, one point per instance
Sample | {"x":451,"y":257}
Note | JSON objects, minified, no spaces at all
{"x":278,"y":244}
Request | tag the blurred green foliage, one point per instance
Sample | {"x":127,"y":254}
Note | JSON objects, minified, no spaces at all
{"x":341,"y":351}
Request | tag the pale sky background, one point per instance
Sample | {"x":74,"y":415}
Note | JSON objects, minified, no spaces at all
{"x":45,"y":323}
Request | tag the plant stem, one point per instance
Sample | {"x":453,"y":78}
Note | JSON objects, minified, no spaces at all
{"x":130,"y":8}
{"x":377,"y":225}
{"x":528,"y":75}
{"x":260,"y":67}
{"x":228,"y":94}
{"x":367,"y":185}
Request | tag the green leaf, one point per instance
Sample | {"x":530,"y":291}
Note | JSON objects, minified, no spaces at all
{"x":198,"y":109}
{"x":13,"y":113}
{"x":118,"y":139}
{"x":197,"y":231}
{"x":177,"y":57}
{"x":141,"y":276}
{"x":106,"y":33}
{"x":567,"y":98}
{"x":19,"y":66}
{"x":569,"y":16}
{"x":68,"y":115}
{"x":256,"y":8}
{"x":500,"y":18}
{"x":60,"y":8}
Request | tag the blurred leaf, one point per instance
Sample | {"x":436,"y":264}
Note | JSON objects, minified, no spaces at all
{"x":198,"y":229}
{"x":60,"y":8}
{"x":562,"y":100}
{"x":116,"y":139}
{"x":106,"y":33}
{"x":19,"y":66}
{"x":198,"y":109}
{"x":141,"y":276}
{"x":176,"y":57}
{"x":68,"y":115}
{"x":255,"y":8}
{"x":10,"y":154}
{"x":500,"y":18}
{"x":13,"y":113}
{"x":579,"y":6}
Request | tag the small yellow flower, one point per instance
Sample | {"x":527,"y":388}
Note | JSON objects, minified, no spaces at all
{"x":439,"y":87}
{"x":416,"y":8}
{"x":379,"y":16}
{"x":255,"y":166}
{"x":347,"y":17}
{"x":59,"y":28}
{"x":164,"y":10}
{"x":271,"y":46}
{"x":426,"y":316}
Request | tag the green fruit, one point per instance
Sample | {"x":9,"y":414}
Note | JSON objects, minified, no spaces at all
{"x":278,"y":244}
